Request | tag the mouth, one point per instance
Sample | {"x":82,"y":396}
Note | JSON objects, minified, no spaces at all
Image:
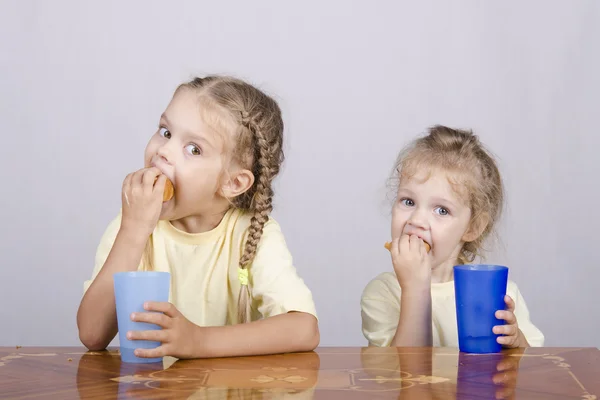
{"x":169,"y":191}
{"x":161,"y":169}
{"x":388,"y":246}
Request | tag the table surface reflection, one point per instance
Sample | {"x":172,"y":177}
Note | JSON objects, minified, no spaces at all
{"x":327,"y":373}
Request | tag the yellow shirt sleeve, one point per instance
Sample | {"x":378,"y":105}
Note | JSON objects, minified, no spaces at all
{"x":534,"y":336}
{"x":103,"y":249}
{"x":275,"y":285}
{"x":380,"y":311}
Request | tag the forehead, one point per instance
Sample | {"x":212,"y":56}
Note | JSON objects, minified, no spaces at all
{"x":434,"y":182}
{"x":188,"y":114}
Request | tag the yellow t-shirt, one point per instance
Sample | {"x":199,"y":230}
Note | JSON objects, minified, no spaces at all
{"x":204,"y":270}
{"x":380,"y":310}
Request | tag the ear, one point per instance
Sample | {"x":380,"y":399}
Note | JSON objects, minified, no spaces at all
{"x":476,"y":227}
{"x":237,"y":183}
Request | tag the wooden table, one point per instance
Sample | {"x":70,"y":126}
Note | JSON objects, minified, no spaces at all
{"x":328,"y":373}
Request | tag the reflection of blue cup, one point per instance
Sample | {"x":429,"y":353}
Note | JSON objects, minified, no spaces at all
{"x":475,"y":377}
{"x":132,"y":290}
{"x":480,"y":291}
{"x":130,"y":377}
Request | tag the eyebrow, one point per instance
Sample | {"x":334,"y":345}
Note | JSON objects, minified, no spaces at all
{"x":442,"y":200}
{"x":193,"y":135}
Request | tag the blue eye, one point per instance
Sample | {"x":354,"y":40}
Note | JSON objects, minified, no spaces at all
{"x":164,"y":132}
{"x":407,"y":202}
{"x":442,"y":211}
{"x":193,"y":150}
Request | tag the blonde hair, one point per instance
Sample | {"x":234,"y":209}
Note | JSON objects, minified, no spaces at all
{"x":475,"y":176}
{"x":235,"y":108}
{"x":254,"y":120}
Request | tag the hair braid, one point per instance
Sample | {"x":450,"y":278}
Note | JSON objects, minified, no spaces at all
{"x":267,"y":167}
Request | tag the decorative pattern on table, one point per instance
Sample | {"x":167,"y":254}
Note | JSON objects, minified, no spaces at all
{"x":264,"y":379}
{"x":7,"y":359}
{"x":378,"y":380}
{"x":561,"y":363}
{"x":364,"y":380}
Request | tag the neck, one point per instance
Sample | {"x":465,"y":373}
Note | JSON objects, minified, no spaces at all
{"x":444,"y":272}
{"x":441,"y":274}
{"x":199,"y":223}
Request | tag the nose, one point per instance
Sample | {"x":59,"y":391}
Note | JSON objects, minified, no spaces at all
{"x":418,"y":219}
{"x":164,"y":153}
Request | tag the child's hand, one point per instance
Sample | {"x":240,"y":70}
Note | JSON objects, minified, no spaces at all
{"x":411,"y":263}
{"x":142,"y":199}
{"x":176,"y":336}
{"x":513,"y":337}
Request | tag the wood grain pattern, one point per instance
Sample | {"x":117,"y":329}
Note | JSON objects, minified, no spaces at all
{"x":328,"y":373}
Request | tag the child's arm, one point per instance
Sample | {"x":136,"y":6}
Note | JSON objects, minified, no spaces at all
{"x":284,"y":333}
{"x":97,"y":317}
{"x":142,"y":202}
{"x":413,"y":270}
{"x":414,"y":325}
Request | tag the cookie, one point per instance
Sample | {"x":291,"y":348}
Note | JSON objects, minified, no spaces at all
{"x":169,"y":190}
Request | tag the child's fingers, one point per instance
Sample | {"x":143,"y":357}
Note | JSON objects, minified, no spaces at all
{"x":505,"y":377}
{"x":395,"y":245}
{"x":151,"y":353}
{"x":506,"y":365}
{"x":509,"y":303}
{"x":416,"y":244}
{"x":153,"y":318}
{"x":508,"y":341}
{"x":159,"y":186}
{"x":127,"y":182}
{"x":163,"y":307}
{"x":404,"y":244}
{"x":508,"y":316}
{"x":158,"y":335}
{"x":507,"y":330}
{"x":149,"y":178}
{"x":505,"y":392}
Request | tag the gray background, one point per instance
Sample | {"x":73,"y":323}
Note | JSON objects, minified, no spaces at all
{"x":82,"y":85}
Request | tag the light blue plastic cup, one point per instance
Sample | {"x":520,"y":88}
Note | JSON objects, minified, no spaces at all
{"x":132,"y":290}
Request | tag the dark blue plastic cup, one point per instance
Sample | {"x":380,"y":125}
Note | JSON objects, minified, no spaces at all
{"x":132,"y":290}
{"x":480,"y":291}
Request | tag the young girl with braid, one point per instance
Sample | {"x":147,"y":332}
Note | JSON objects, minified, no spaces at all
{"x":234,"y":289}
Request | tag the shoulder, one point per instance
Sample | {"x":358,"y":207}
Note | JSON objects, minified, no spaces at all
{"x":110,"y":232}
{"x":384,"y":286}
{"x":512,"y":289}
{"x":240,"y":221}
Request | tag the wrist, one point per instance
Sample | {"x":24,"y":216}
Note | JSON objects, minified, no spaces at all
{"x":416,"y":290}
{"x":203,"y":339}
{"x":135,"y":236}
{"x":522,"y":339}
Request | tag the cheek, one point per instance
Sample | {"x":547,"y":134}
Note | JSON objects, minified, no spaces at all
{"x":150,"y":151}
{"x":197,"y":179}
{"x":448,"y":232}
{"x":398,"y":221}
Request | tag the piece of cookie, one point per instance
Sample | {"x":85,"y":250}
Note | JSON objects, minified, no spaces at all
{"x":388,"y":245}
{"x":169,"y":190}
